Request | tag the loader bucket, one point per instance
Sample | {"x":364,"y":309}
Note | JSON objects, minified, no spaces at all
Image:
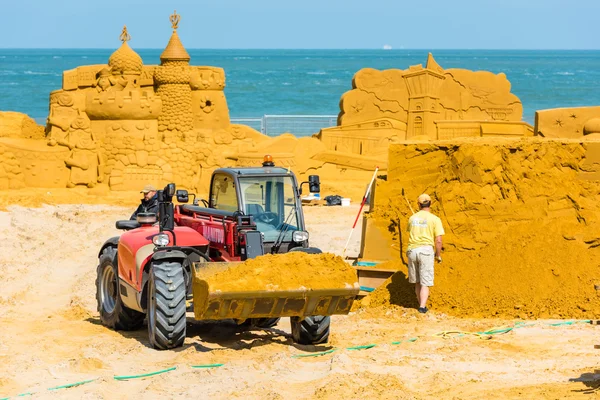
{"x":267,"y":302}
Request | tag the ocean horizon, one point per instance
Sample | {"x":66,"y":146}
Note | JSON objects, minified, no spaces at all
{"x":311,"y":81}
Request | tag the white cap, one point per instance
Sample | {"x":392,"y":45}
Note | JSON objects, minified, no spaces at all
{"x":424,"y":198}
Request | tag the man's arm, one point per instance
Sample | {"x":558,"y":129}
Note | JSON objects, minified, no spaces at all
{"x":438,"y":248}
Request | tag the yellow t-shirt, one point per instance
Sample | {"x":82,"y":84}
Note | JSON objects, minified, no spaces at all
{"x":423,"y":227}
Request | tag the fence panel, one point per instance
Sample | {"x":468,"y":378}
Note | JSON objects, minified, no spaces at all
{"x":299,"y":125}
{"x":254,"y":123}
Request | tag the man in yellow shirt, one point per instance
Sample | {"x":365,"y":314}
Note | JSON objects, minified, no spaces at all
{"x":424,"y":244}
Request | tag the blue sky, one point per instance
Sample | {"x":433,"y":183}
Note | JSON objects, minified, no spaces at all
{"x":307,"y":24}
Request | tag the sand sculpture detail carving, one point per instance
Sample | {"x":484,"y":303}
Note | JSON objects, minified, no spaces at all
{"x":574,"y":122}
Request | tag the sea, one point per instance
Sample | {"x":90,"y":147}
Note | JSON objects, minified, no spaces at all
{"x":311,"y":82}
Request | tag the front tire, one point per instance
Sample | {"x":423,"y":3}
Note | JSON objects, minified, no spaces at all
{"x":310,"y":330}
{"x":113,"y":313}
{"x":263,"y":323}
{"x":166,"y":305}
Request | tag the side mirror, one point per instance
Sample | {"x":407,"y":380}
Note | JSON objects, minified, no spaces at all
{"x":182,"y":196}
{"x":314,"y":185}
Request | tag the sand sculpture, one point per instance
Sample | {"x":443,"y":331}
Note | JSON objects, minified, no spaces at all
{"x":424,"y":103}
{"x":125,"y":124}
{"x":522,"y":218}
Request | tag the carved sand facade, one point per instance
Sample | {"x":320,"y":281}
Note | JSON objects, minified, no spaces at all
{"x":127,"y":124}
{"x":424,"y":103}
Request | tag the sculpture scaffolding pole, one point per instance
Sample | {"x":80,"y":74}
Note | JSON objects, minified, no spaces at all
{"x":362,"y":204}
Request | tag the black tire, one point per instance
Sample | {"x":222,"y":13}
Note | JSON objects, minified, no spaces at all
{"x":113,"y":313}
{"x":260,"y":322}
{"x":265,"y":322}
{"x":310,"y":330}
{"x":166,"y":305}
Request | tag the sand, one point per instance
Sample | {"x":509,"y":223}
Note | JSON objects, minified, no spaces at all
{"x":51,"y":335}
{"x":521,"y":220}
{"x":289,"y":271}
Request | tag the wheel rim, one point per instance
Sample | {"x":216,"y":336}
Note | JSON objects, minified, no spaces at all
{"x":109,"y":289}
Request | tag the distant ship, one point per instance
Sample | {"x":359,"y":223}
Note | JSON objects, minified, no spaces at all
{"x":387,"y":47}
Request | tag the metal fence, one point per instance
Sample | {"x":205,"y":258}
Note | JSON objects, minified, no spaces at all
{"x":273,"y":125}
{"x":299,"y":125}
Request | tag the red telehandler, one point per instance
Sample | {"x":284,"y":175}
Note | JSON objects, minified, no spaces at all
{"x":153,"y":268}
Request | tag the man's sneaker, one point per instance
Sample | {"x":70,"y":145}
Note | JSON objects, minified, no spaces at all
{"x":423,"y":310}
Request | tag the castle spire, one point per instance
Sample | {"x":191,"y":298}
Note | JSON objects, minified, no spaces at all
{"x":125,"y":36}
{"x":174,"y":18}
{"x":174,"y":50}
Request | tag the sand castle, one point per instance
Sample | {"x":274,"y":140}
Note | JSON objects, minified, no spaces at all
{"x":126,"y":123}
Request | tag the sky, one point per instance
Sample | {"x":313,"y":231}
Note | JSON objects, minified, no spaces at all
{"x":304,"y":24}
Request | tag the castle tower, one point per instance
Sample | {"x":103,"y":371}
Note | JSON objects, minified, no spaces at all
{"x":423,"y":102}
{"x":125,"y":64}
{"x":172,"y":79}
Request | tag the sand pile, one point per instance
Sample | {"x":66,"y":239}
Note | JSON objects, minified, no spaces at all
{"x":522,"y":220}
{"x":293,"y":270}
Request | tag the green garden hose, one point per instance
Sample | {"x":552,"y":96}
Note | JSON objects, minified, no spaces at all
{"x":126,"y":377}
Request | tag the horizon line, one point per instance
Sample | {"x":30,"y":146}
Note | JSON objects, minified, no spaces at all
{"x":307,"y":48}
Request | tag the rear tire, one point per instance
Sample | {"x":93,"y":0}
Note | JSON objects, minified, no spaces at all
{"x":113,"y":313}
{"x":310,"y":330}
{"x":166,"y":305}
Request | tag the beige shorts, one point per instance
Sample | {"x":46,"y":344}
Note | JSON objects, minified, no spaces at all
{"x":420,"y":265}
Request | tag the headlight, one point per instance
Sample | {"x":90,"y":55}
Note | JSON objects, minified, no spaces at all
{"x":300,"y":236}
{"x":162,"y":239}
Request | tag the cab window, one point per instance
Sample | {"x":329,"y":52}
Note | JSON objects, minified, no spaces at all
{"x":223,"y":195}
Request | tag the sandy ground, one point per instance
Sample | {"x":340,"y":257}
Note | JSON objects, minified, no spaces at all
{"x":50,"y":335}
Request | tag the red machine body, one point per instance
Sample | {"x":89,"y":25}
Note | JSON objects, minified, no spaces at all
{"x":135,"y":249}
{"x":224,"y":233}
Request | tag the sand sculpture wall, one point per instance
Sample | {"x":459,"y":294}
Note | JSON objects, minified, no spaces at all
{"x":522,"y":219}
{"x":424,"y":103}
{"x":575,"y":122}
